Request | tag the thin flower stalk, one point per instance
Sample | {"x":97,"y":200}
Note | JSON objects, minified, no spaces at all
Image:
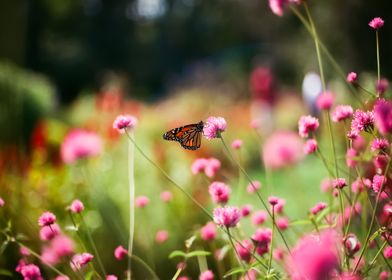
{"x":131,"y":182}
{"x":376,"y":256}
{"x":378,"y":56}
{"x":272,"y":240}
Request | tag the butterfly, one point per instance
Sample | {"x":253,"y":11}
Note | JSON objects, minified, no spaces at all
{"x":189,"y":136}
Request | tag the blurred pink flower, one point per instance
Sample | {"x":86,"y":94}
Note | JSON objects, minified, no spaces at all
{"x":166,"y":196}
{"x":46,"y":219}
{"x":307,"y":124}
{"x":350,"y":157}
{"x":362,"y":121}
{"x":325,"y":100}
{"x":120,"y":252}
{"x":277,"y":6}
{"x":31,"y":272}
{"x":339,"y":183}
{"x":244,"y":250}
{"x":252,"y":187}
{"x":388,"y":252}
{"x":352,"y":244}
{"x":60,"y":277}
{"x":383,"y":116}
{"x":282,"y":223}
{"x":1,"y":202}
{"x":236,"y":144}
{"x":379,"y":144}
{"x":24,"y":251}
{"x":124,"y":122}
{"x":342,"y":112}
{"x":208,"y":232}
{"x":227,"y":216}
{"x":314,"y":257}
{"x":80,"y":144}
{"x":76,"y":206}
{"x":352,"y":77}
{"x":219,"y":192}
{"x":212,"y":167}
{"x":262,"y":238}
{"x":111,"y":277}
{"x":245,"y":210}
{"x":259,"y":217}
{"x":80,"y":260}
{"x":213,"y":127}
{"x":326,"y":185}
{"x":384,"y":275}
{"x":282,"y":149}
{"x":359,"y":185}
{"x":49,"y":232}
{"x":378,"y":182}
{"x":206,"y":275}
{"x":198,"y":165}
{"x":161,"y":236}
{"x":261,"y":84}
{"x":273,"y":200}
{"x":310,"y":146}
{"x":278,"y":254}
{"x":278,"y":208}
{"x":382,"y":86}
{"x":318,"y":207}
{"x":141,"y":201}
{"x":60,"y":247}
{"x":376,"y":23}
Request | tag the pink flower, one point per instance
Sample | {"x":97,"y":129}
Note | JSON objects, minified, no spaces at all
{"x":262,"y":238}
{"x":198,"y":165}
{"x":1,"y":202}
{"x":227,"y":216}
{"x":350,"y":157}
{"x":318,"y":207}
{"x":259,"y":217}
{"x":206,"y":275}
{"x":362,"y":121}
{"x":352,"y":77}
{"x":378,"y":182}
{"x":124,"y":122}
{"x":236,"y":144}
{"x":212,"y":167}
{"x":80,"y":260}
{"x":214,"y":127}
{"x":282,"y":223}
{"x":379,"y":145}
{"x":352,"y":244}
{"x":31,"y":272}
{"x":376,"y":23}
{"x":326,"y":185}
{"x":141,"y":201}
{"x":111,"y":277}
{"x":244,"y":250}
{"x":208,"y":232}
{"x":80,"y":144}
{"x":342,"y":112}
{"x":245,"y":210}
{"x":278,"y":208}
{"x":388,"y":252}
{"x":307,"y":124}
{"x":277,"y":6}
{"x":24,"y":251}
{"x":273,"y":200}
{"x":383,"y":116}
{"x":382,"y":86}
{"x":61,"y":246}
{"x":46,"y":219}
{"x":60,"y":277}
{"x":384,"y":275}
{"x":278,"y":254}
{"x":49,"y":232}
{"x":310,"y":146}
{"x":76,"y":206}
{"x":253,"y":186}
{"x":282,"y":149}
{"x":359,"y":186}
{"x":219,"y":192}
{"x":325,"y":100}
{"x":120,"y":252}
{"x":314,"y":257}
{"x":161,"y":236}
{"x":339,"y":183}
{"x":166,"y":196}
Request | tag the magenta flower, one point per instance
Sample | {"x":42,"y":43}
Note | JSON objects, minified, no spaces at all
{"x":227,"y":216}
{"x":111,"y":277}
{"x":261,"y":239}
{"x":1,"y":202}
{"x":245,"y":210}
{"x":206,"y":275}
{"x":352,"y":244}
{"x":362,"y":121}
{"x":277,"y":6}
{"x":219,"y":192}
{"x":273,"y":200}
{"x":208,"y":232}
{"x":24,"y":251}
{"x":307,"y":124}
{"x":352,"y":77}
{"x":278,"y":254}
{"x":278,"y":208}
{"x":378,"y":182}
{"x":259,"y":217}
{"x":342,"y":112}
{"x":384,"y":275}
{"x":166,"y":196}
{"x":60,"y":247}
{"x":49,"y":232}
{"x":252,"y":187}
{"x":339,"y":183}
{"x":141,"y":201}
{"x":350,"y":157}
{"x":314,"y":257}
{"x":382,"y":86}
{"x":236,"y":144}
{"x":326,"y":185}
{"x":214,"y":127}
{"x":325,"y":100}
{"x":46,"y":219}
{"x":310,"y":146}
{"x":120,"y":252}
{"x":31,"y":272}
{"x":124,"y":122}
{"x":244,"y":250}
{"x":388,"y":252}
{"x":80,"y":260}
{"x":359,"y":185}
{"x":60,"y":277}
{"x":318,"y":207}
{"x":212,"y":167}
{"x":282,"y":223}
{"x":383,"y":116}
{"x":161,"y":236}
{"x":76,"y":206}
{"x":199,"y":165}
{"x":376,"y":23}
{"x":379,"y":145}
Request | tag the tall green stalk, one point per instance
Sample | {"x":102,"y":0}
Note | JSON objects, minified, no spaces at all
{"x":131,"y":179}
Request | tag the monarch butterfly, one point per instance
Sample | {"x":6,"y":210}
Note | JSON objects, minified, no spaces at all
{"x":189,"y":136}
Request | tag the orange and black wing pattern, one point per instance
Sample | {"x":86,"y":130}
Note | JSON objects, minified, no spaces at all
{"x":189,"y":136}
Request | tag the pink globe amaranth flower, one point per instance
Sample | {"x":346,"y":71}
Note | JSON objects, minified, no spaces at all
{"x":282,"y":223}
{"x":251,"y":274}
{"x":161,"y":236}
{"x":24,"y":251}
{"x":307,"y":124}
{"x":212,"y":167}
{"x":31,"y":272}
{"x":325,"y":100}
{"x":339,"y":183}
{"x":362,"y":121}
{"x":380,"y":163}
{"x":259,"y":217}
{"x":310,"y":146}
{"x":352,"y":77}
{"x":388,"y":252}
{"x":46,"y":219}
{"x":342,"y":112}
{"x":378,"y":182}
{"x":318,"y":207}
{"x":314,"y":257}
{"x":278,"y":254}
{"x":351,"y":244}
{"x":244,"y":250}
{"x":348,"y":276}
{"x":61,"y":277}
{"x":166,"y":196}
{"x":350,"y":212}
{"x":351,"y":154}
{"x":1,"y":202}
{"x":206,"y":275}
{"x":358,"y":185}
{"x":277,"y":6}
{"x":278,"y":208}
{"x":208,"y":232}
{"x":236,"y":144}
{"x":213,"y":127}
{"x":80,"y":144}
{"x":376,"y":23}
{"x":124,"y":122}
{"x":21,"y":263}
{"x":282,"y":149}
{"x":120,"y":252}
{"x":383,"y":116}
{"x":60,"y":247}
{"x":245,"y":210}
{"x":76,"y":206}
{"x":49,"y":232}
{"x":379,"y":145}
{"x":326,"y":185}
{"x":252,"y":187}
{"x":227,"y":216}
{"x":359,"y":143}
{"x":80,"y":260}
{"x":199,"y":165}
{"x":141,"y":201}
{"x":219,"y":192}
{"x":382,"y":86}
{"x":387,"y":210}
{"x":384,"y":275}
{"x":111,"y":277}
{"x":261,"y":239}
{"x":273,"y":200}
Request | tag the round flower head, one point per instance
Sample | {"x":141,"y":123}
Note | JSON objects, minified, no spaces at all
{"x":236,"y":144}
{"x":307,"y":124}
{"x":206,"y":275}
{"x":244,"y":250}
{"x":219,"y":192}
{"x":282,"y":223}
{"x":277,"y":6}
{"x":46,"y":219}
{"x":342,"y":112}
{"x":49,"y":232}
{"x":273,"y":200}
{"x":388,"y":252}
{"x":382,"y":86}
{"x":212,"y":167}
{"x":252,"y":187}
{"x":339,"y":183}
{"x":80,"y":260}
{"x":111,"y":277}
{"x":352,"y":77}
{"x":376,"y":23}
{"x":378,"y":182}
{"x":124,"y":122}
{"x":318,"y":207}
{"x":362,"y":121}
{"x":166,"y":196}
{"x":1,"y":202}
{"x":384,"y":275}
{"x":310,"y":146}
{"x":383,"y":116}
{"x":227,"y":216}
{"x":259,"y":217}
{"x":76,"y":206}
{"x":213,"y":127}
{"x":199,"y":165}
{"x":380,"y":145}
{"x":261,"y":239}
{"x":208,"y":232}
{"x":141,"y":201}
{"x":161,"y":236}
{"x":350,"y":157}
{"x":31,"y":272}
{"x":325,"y":100}
{"x":352,"y":244}
{"x":120,"y":252}
{"x":245,"y":210}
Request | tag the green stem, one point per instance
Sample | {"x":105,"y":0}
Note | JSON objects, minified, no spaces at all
{"x":272,"y":239}
{"x":131,"y":178}
{"x":376,"y":256}
{"x":378,"y":57}
{"x":235,"y":251}
{"x":140,"y":261}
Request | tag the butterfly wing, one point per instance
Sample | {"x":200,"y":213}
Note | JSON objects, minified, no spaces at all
{"x":189,"y":136}
{"x":192,"y":141}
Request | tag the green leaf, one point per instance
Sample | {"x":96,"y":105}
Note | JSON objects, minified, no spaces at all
{"x":197,"y":254}
{"x":233,"y":271}
{"x":89,"y":275}
{"x":177,"y":253}
{"x":189,"y":241}
{"x":5,"y":272}
{"x":375,"y":234}
{"x":71,"y":228}
{"x":300,"y":222}
{"x":3,"y":246}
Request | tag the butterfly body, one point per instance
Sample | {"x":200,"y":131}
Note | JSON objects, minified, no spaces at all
{"x":189,"y":136}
